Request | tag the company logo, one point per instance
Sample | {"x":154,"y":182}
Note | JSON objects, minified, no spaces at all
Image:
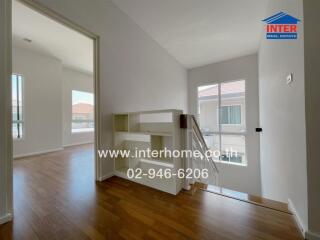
{"x":281,"y":26}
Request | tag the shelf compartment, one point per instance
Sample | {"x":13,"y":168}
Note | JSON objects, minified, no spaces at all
{"x":121,"y":164}
{"x":121,"y":122}
{"x":134,"y":122}
{"x":151,"y":122}
{"x":162,"y":127}
{"x":133,"y":146}
{"x":156,"y":122}
{"x":159,"y":143}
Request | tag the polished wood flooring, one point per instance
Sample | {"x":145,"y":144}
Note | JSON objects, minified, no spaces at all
{"x":55,"y":197}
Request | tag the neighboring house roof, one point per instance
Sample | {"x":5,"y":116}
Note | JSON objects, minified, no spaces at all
{"x":281,"y":18}
{"x":82,"y":108}
{"x":226,"y":89}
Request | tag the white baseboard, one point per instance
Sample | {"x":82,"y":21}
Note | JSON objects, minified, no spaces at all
{"x":297,"y":218}
{"x":6,"y":218}
{"x":105,"y":177}
{"x":37,"y":153}
{"x":188,"y":188}
{"x":312,"y":236}
{"x":49,"y":150}
{"x":77,"y":144}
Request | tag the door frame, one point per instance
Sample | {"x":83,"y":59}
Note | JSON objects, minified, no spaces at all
{"x":6,"y":151}
{"x":6,"y":209}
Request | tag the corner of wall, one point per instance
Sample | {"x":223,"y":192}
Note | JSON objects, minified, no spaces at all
{"x":106,"y":176}
{"x":302,"y":227}
{"x":312,"y":236}
{"x":6,"y":218}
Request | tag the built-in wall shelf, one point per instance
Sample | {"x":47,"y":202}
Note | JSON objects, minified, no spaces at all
{"x":121,"y":122}
{"x":153,"y":130}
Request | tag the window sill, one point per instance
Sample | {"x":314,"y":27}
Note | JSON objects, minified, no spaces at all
{"x":231,"y":124}
{"x":18,"y":139}
{"x":232,"y":163}
{"x":82,"y":131}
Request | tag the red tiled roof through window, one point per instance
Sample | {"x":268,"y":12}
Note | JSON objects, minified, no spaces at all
{"x":226,"y":88}
{"x":83,"y":108}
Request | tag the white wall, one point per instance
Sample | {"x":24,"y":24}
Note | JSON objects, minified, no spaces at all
{"x":74,"y":80}
{"x":42,"y":93}
{"x":282,"y":115}
{"x":136,"y":73}
{"x":312,"y":72}
{"x":240,"y":178}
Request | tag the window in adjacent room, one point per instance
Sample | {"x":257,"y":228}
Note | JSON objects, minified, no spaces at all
{"x":82,"y":112}
{"x":17,"y":106}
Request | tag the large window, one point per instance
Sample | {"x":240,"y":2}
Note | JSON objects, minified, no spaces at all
{"x":221,"y":109}
{"x":82,"y":112}
{"x":17,"y":106}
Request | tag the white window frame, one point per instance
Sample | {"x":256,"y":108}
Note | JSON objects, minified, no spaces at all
{"x":80,"y":131}
{"x":232,"y":105}
{"x":22,"y":121}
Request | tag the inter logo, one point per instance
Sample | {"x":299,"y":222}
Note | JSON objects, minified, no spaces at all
{"x":281,"y":26}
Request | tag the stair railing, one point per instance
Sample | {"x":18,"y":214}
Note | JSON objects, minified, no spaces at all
{"x":195,"y":141}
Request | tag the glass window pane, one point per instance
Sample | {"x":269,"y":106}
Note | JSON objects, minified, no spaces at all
{"x":235,"y":114}
{"x":82,"y":111}
{"x":17,"y":106}
{"x":233,"y":148}
{"x":213,"y":143}
{"x":233,"y":107}
{"x":208,"y":107}
{"x":17,"y":130}
{"x":224,"y":115}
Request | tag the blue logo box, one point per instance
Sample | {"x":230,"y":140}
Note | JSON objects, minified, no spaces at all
{"x":282,"y":36}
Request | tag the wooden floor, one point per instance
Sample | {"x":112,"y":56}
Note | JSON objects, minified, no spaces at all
{"x":55,"y":197}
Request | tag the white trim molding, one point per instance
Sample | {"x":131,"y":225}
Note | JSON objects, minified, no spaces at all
{"x":302,"y":227}
{"x":312,"y":236}
{"x":38,"y":153}
{"x":6,"y":218}
{"x":78,"y":144}
{"x":105,"y":177}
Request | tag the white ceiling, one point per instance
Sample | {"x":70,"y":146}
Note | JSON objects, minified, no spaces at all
{"x":51,"y":38}
{"x":199,"y":32}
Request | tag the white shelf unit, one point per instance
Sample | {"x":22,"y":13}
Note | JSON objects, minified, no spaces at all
{"x":154,"y":130}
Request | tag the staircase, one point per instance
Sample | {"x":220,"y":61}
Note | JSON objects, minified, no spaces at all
{"x":194,"y":141}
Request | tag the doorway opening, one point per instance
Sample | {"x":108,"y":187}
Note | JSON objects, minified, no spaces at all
{"x":55,"y":89}
{"x":54,"y":83}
